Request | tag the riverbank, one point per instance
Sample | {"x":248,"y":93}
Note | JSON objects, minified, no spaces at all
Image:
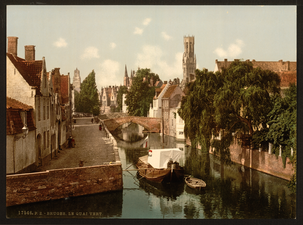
{"x":92,"y":166}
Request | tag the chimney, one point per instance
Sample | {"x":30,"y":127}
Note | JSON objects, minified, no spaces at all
{"x":29,"y":52}
{"x":12,"y":44}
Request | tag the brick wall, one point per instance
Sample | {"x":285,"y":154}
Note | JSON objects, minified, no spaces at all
{"x":261,"y":161}
{"x":62,"y":183}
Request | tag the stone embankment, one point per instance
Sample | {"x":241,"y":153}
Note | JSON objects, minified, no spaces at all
{"x":93,"y":166}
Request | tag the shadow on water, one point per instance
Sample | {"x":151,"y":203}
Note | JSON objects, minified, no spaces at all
{"x":101,"y":205}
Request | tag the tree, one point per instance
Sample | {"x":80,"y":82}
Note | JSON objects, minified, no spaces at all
{"x":141,"y":94}
{"x":77,"y":101}
{"x":283,"y":126}
{"x":122,"y":90}
{"x":88,"y":100}
{"x":244,"y":99}
{"x":197,"y":108}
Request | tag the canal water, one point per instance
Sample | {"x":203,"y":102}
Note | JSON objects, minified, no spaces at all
{"x":232,"y":191}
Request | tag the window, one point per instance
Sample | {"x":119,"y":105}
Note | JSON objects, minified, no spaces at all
{"x":47,"y":112}
{"x":180,"y":132}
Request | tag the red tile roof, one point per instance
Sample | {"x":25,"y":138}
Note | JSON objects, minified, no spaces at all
{"x":169,"y":91}
{"x":30,"y":70}
{"x":159,"y":90}
{"x":15,"y":104}
{"x":14,"y":122}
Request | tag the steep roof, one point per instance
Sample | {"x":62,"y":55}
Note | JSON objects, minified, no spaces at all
{"x":169,"y":91}
{"x":30,"y":70}
{"x":159,"y":90}
{"x":15,"y":104}
{"x":14,"y":122}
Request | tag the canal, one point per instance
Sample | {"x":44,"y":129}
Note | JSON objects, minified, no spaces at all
{"x":232,"y":191}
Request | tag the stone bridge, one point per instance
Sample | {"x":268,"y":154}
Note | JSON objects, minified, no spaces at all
{"x":150,"y":124}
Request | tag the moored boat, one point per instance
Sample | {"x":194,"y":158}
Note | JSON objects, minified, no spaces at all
{"x":195,"y":182}
{"x":161,"y":165}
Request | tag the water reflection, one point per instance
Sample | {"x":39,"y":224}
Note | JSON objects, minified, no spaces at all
{"x":231,"y":192}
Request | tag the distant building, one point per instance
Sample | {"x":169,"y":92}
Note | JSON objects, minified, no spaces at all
{"x":166,"y":102}
{"x":109,"y":98}
{"x":77,"y":80}
{"x":188,"y":61}
{"x":128,"y":80}
{"x":286,"y":70}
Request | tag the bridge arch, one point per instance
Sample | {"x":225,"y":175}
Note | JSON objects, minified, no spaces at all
{"x":149,"y":123}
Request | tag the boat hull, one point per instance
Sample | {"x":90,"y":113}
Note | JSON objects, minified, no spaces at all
{"x":195,"y":183}
{"x":159,"y":175}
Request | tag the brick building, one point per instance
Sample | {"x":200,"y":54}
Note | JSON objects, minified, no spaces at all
{"x":286,"y":70}
{"x":49,"y":96}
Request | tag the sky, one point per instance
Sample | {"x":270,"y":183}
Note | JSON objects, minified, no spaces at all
{"x":108,"y":38}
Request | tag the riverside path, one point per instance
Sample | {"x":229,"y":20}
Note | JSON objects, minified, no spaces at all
{"x":92,"y":147}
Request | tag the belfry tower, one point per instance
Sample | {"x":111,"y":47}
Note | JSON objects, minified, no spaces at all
{"x":77,"y":80}
{"x":189,"y":59}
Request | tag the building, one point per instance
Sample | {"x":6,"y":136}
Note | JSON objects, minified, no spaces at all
{"x":48,"y":96}
{"x":20,"y":137}
{"x":26,"y":82}
{"x":77,"y":80}
{"x":128,"y":80}
{"x":166,"y":102}
{"x":109,"y":98}
{"x":286,"y":70}
{"x":188,"y":60}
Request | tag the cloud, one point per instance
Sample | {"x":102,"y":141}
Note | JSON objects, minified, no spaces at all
{"x":113,"y":45}
{"x":60,"y":43}
{"x":107,"y":73}
{"x":138,"y":30}
{"x":90,"y":52}
{"x":154,"y":58}
{"x":146,"y":21}
{"x":233,"y":50}
{"x":165,"y":36}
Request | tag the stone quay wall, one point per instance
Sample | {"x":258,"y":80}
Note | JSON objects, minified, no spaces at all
{"x":62,"y":183}
{"x":258,"y":160}
{"x":262,"y":161}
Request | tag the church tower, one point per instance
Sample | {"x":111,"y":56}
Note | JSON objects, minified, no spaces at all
{"x":126,"y":78}
{"x":77,"y":80}
{"x":189,"y":59}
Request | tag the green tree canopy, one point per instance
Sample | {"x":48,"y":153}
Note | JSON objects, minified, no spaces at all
{"x":197,"y":108}
{"x":244,"y":99}
{"x":88,"y":99}
{"x":141,"y":94}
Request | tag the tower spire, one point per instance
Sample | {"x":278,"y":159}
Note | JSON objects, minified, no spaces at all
{"x":126,"y":75}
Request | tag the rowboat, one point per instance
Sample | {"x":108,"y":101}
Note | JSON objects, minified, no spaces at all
{"x":195,"y":182}
{"x":161,"y":165}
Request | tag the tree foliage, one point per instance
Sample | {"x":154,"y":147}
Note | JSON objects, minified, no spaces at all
{"x":122,"y":90}
{"x":244,"y":99}
{"x":236,"y":99}
{"x":141,"y":94}
{"x":88,"y":98}
{"x":197,"y":109}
